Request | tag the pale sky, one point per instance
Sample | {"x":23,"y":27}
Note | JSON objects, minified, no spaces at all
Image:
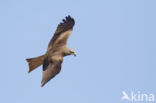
{"x":115,"y":42}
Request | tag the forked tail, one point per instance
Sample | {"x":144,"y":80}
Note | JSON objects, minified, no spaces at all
{"x":35,"y":62}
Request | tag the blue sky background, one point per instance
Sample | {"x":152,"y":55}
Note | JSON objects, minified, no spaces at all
{"x":115,"y":41}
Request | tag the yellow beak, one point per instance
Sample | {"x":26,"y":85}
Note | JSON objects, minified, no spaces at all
{"x":74,"y":53}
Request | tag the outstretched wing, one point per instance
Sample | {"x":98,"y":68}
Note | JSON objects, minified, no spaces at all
{"x":50,"y":69}
{"x":52,"y":63}
{"x":62,"y":33}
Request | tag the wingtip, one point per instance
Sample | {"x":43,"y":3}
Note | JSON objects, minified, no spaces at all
{"x":68,"y":16}
{"x":42,"y":83}
{"x":68,"y":19}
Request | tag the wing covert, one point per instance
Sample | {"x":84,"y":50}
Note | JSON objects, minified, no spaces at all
{"x":62,"y":32}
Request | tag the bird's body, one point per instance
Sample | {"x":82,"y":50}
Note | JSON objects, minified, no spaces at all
{"x":57,"y":49}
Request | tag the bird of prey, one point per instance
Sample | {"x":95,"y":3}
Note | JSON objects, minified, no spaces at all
{"x":57,"y":49}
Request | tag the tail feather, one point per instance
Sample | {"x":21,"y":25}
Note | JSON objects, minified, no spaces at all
{"x":35,"y":62}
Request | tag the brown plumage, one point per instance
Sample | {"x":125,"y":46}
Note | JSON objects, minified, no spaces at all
{"x":57,"y":49}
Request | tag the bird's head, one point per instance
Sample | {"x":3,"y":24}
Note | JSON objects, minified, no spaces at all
{"x":69,"y":51}
{"x":72,"y":52}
